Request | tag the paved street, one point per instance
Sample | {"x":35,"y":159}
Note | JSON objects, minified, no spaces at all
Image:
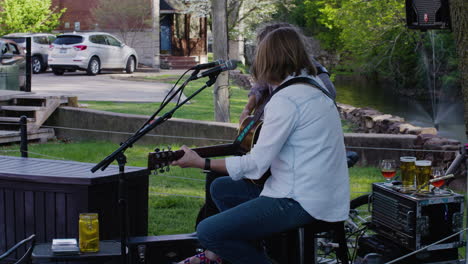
{"x":103,"y":87}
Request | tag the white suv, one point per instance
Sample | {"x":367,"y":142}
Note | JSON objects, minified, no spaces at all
{"x":39,"y":47}
{"x":91,"y":52}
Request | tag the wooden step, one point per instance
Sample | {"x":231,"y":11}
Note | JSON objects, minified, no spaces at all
{"x":35,"y":96}
{"x":15,"y":119}
{"x":174,"y":58}
{"x":182,"y":63}
{"x":21,"y":108}
{"x":43,"y":134}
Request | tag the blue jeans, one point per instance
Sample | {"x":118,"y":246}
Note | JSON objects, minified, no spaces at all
{"x":244,"y":218}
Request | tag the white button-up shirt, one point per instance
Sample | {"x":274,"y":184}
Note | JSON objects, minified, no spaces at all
{"x":302,"y":141}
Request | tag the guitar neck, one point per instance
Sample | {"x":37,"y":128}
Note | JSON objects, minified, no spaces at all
{"x":159,"y":159}
{"x":212,"y":151}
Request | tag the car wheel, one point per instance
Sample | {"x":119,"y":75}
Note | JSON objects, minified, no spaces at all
{"x":93,"y":66}
{"x":37,"y":65}
{"x":130,"y":68}
{"x":58,"y":71}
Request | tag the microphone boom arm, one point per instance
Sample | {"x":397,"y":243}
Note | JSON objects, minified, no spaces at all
{"x":150,"y":125}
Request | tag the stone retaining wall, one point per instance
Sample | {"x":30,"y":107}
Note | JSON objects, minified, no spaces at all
{"x":87,"y":124}
{"x":368,"y":120}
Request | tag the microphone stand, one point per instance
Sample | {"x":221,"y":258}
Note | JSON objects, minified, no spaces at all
{"x":119,"y":155}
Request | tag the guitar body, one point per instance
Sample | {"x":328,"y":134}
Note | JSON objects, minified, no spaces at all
{"x":160,"y":159}
{"x":251,"y":137}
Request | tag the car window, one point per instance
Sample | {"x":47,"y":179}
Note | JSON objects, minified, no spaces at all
{"x":13,"y":48}
{"x":41,"y":40}
{"x":51,"y":39}
{"x":17,"y":40}
{"x":4,"y":48}
{"x":98,"y":39}
{"x":68,"y":40}
{"x":113,"y":41}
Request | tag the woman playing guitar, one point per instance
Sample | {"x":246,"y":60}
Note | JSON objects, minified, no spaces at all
{"x":258,"y":97}
{"x":301,"y":141}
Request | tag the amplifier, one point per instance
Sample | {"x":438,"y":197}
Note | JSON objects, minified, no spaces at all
{"x":385,"y":250}
{"x":166,"y":249}
{"x":417,"y":221}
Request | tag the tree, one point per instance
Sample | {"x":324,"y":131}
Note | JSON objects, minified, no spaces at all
{"x":126,"y":16}
{"x":28,"y":16}
{"x":220,"y":48}
{"x":310,"y":15}
{"x":243,"y":15}
{"x":459,"y":16}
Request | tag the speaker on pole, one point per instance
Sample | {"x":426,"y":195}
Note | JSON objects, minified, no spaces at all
{"x":428,"y":14}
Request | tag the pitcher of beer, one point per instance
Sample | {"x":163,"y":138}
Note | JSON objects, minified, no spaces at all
{"x":423,"y":174}
{"x":408,"y":173}
{"x":89,"y":232}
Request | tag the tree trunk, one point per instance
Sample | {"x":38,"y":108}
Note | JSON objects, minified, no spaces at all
{"x":220,"y":48}
{"x":459,"y":16}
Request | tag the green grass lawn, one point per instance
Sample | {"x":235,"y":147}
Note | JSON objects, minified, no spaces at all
{"x":174,"y":196}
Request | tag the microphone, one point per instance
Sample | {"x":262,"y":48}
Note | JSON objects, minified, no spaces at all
{"x":207,"y":65}
{"x":227,"y":66}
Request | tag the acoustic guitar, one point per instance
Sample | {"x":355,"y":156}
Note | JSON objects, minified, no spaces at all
{"x":159,"y":159}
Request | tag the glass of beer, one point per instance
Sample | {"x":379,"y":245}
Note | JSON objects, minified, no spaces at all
{"x":89,"y":232}
{"x":408,"y":172}
{"x":423,"y":174}
{"x":437,"y":172}
{"x":388,"y":169}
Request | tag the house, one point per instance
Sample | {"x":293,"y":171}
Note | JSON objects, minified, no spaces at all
{"x":182,"y":35}
{"x":174,"y":39}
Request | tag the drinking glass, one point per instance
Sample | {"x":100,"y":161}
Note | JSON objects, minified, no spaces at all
{"x":408,"y":172}
{"x":423,"y":175}
{"x":388,"y":169}
{"x":437,"y":172}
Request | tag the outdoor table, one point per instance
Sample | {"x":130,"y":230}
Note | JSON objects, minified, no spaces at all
{"x":45,"y":197}
{"x":109,"y":252}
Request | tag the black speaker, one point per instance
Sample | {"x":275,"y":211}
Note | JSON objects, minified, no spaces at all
{"x":389,"y":250}
{"x":428,"y":14}
{"x":165,"y":249}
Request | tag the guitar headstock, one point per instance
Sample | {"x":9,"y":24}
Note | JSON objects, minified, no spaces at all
{"x":161,"y":158}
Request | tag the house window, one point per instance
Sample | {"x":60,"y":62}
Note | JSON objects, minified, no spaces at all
{"x":194,"y":27}
{"x":179,"y":25}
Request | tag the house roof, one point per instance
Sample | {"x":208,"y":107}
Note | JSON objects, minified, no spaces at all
{"x":171,"y":6}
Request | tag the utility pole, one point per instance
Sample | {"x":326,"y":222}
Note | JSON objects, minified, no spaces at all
{"x":220,"y":49}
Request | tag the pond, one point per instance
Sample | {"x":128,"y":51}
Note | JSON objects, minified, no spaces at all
{"x":362,"y":92}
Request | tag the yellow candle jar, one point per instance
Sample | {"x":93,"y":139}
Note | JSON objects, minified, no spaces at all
{"x":89,"y":232}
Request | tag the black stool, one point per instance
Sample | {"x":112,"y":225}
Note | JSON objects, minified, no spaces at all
{"x":307,"y":243}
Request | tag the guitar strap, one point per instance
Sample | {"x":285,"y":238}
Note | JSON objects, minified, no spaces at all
{"x":259,"y":114}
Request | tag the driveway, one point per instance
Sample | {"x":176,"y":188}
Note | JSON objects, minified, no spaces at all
{"x":103,"y":87}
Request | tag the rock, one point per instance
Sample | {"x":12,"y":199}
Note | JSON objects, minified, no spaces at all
{"x":243,"y":80}
{"x":422,"y":138}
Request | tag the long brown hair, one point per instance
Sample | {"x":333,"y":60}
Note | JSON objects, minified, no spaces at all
{"x":281,"y":53}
